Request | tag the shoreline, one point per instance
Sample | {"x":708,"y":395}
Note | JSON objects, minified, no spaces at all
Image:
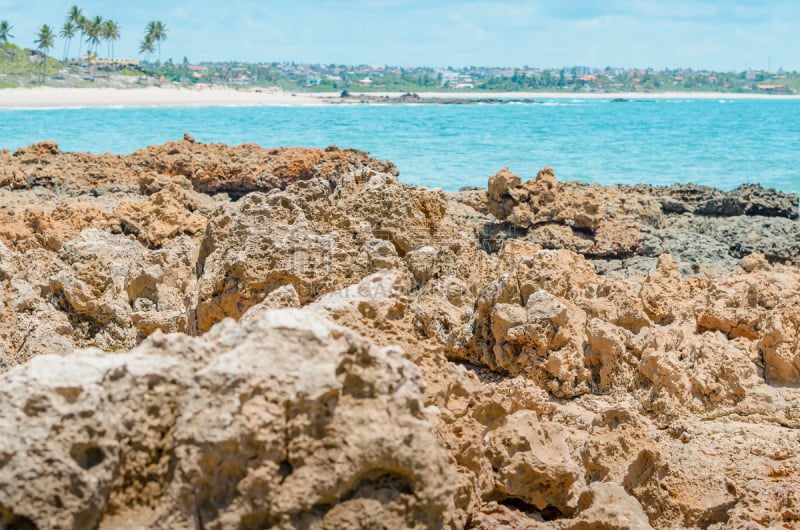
{"x":208,"y":96}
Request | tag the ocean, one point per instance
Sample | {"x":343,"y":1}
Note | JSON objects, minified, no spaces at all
{"x":720,"y":143}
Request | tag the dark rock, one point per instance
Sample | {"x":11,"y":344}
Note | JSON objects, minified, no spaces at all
{"x":747,"y":199}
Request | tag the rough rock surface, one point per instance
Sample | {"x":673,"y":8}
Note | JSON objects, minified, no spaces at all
{"x":627,"y":228}
{"x":270,"y":423}
{"x":540,"y":354}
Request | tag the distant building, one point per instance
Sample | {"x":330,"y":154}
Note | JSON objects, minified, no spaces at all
{"x":750,"y":75}
{"x":366,"y":82}
{"x":449,"y":78}
{"x":773,"y":89}
{"x":464,"y":82}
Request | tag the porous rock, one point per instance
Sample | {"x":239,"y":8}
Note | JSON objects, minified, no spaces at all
{"x":269,"y":423}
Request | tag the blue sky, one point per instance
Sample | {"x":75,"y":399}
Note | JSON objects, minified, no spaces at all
{"x":716,"y":34}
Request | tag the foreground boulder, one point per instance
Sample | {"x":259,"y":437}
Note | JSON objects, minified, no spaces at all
{"x":289,"y":420}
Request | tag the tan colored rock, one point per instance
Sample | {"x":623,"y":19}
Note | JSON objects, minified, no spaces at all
{"x":237,"y":170}
{"x":617,"y":436}
{"x":210,"y":168}
{"x":620,"y":348}
{"x":663,"y":291}
{"x":780,"y":346}
{"x":533,"y":464}
{"x":542,"y":200}
{"x":306,"y":237}
{"x":520,"y":324}
{"x":607,"y":506}
{"x":267,"y":424}
{"x":608,"y":355}
{"x":29,"y":325}
{"x":119,"y":292}
{"x":162,"y":217}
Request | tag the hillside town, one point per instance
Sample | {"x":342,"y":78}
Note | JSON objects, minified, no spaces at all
{"x":302,"y":76}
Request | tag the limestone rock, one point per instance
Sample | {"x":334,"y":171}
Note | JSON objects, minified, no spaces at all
{"x":267,"y":423}
{"x":307,"y":237}
{"x":542,"y":200}
{"x":118,"y":291}
{"x":607,"y":506}
{"x":532,"y":463}
{"x":574,"y":356}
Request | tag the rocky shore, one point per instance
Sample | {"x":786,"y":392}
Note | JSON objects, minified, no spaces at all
{"x":416,"y":99}
{"x":205,"y":336}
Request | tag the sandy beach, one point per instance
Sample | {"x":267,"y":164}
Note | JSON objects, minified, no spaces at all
{"x":50,"y":97}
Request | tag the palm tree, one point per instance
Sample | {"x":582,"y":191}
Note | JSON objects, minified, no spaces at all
{"x":75,"y":15}
{"x":147,"y":46}
{"x":5,"y":31}
{"x":85,"y":25}
{"x":94,"y":31}
{"x":44,"y":41}
{"x":158,"y":33}
{"x":67,"y":32}
{"x":110,"y":34}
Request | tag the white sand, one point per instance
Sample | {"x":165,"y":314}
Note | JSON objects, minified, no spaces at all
{"x":167,"y":96}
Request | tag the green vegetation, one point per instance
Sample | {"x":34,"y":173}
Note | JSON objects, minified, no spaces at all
{"x":68,"y":31}
{"x":19,"y":67}
{"x":16,"y":63}
{"x":94,"y":30}
{"x":147,"y":47}
{"x":130,"y":72}
{"x":110,"y":32}
{"x":155,"y":34}
{"x":5,"y":31}
{"x":44,"y":42}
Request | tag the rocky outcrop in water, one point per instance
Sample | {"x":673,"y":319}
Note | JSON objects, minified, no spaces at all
{"x":539,"y":354}
{"x":629,"y":227}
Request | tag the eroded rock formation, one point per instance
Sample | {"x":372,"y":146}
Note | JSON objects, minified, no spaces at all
{"x":541,"y":354}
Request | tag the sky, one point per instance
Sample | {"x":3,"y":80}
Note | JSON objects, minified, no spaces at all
{"x":721,"y":35}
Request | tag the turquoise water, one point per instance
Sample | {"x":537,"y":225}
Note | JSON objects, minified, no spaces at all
{"x":721,"y":143}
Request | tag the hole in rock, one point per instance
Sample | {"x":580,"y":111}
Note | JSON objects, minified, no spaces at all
{"x":550,"y":513}
{"x":285,"y":469}
{"x":87,"y":455}
{"x":321,"y":509}
{"x":11,"y":521}
{"x":719,"y":514}
{"x":379,"y":484}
